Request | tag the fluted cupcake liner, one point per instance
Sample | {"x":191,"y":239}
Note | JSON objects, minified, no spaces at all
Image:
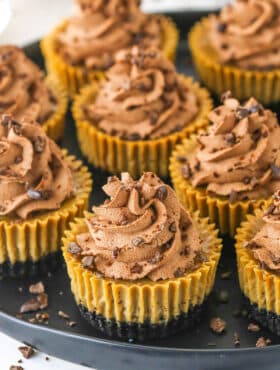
{"x":261,"y":287}
{"x":244,"y":83}
{"x":54,"y":126}
{"x":24,"y":243}
{"x":137,"y":303}
{"x":227,"y":216}
{"x":75,"y":77}
{"x":116,"y":155}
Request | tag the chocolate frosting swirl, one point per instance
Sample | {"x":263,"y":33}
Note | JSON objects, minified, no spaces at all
{"x":240,"y":155}
{"x":142,"y":231}
{"x":23,"y":91}
{"x":265,"y":244}
{"x":102,"y":27}
{"x":247,"y":33}
{"x":143,"y":97}
{"x":33,"y":173}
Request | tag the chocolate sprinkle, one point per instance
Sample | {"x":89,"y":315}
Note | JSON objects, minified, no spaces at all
{"x":39,"y":144}
{"x":262,"y":342}
{"x":179,"y":272}
{"x":136,"y":269}
{"x":256,"y":135}
{"x":74,"y":248}
{"x":88,"y":262}
{"x":34,"y":194}
{"x":32,"y":305}
{"x":173,"y":227}
{"x":221,"y":27}
{"x":116,"y":252}
{"x":162,"y":193}
{"x":137,"y":241}
{"x":186,"y":171}
{"x":275,"y":170}
{"x":230,"y":138}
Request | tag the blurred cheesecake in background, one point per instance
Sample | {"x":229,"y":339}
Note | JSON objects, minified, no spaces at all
{"x":50,"y":12}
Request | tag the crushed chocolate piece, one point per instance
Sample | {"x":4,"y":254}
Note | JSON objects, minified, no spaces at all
{"x":63,"y":315}
{"x":181,"y":159}
{"x":230,"y":138}
{"x":26,"y":351}
{"x":257,"y":108}
{"x":162,"y":193}
{"x":197,"y":165}
{"x":268,"y":212}
{"x":221,"y":27}
{"x":247,"y":180}
{"x":241,"y":113}
{"x":34,"y":194}
{"x":37,"y":288}
{"x":88,"y":262}
{"x":13,"y":367}
{"x":256,"y":134}
{"x":71,"y":324}
{"x":173,"y":227}
{"x":32,"y":305}
{"x":262,"y":342}
{"x":179,"y":272}
{"x":186,"y":171}
{"x":275,"y":170}
{"x":226,"y":95}
{"x":254,"y":328}
{"x":74,"y":248}
{"x":43,"y":300}
{"x":18,"y":159}
{"x":134,"y":136}
{"x":136,"y":269}
{"x":137,"y":241}
{"x":116,"y":251}
{"x":218,"y":325}
{"x":6,"y":119}
{"x":236,"y":340}
{"x":39,"y":144}
{"x":166,"y":246}
{"x":156,"y":259}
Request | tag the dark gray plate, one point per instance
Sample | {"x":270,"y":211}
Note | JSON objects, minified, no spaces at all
{"x":198,"y":349}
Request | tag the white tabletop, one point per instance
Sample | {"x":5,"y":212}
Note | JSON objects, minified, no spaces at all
{"x":9,"y":355}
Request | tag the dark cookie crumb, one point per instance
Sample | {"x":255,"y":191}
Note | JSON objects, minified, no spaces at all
{"x":26,"y":351}
{"x":218,"y":325}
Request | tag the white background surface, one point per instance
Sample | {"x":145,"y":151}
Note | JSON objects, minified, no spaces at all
{"x":30,"y":20}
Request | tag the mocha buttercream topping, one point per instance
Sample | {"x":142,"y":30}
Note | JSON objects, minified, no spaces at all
{"x":102,"y":27}
{"x":143,"y":98}
{"x":23,"y":90}
{"x":33,"y":173}
{"x":239,"y":156}
{"x":247,"y":33}
{"x":141,"y":231}
{"x":265,"y":245}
